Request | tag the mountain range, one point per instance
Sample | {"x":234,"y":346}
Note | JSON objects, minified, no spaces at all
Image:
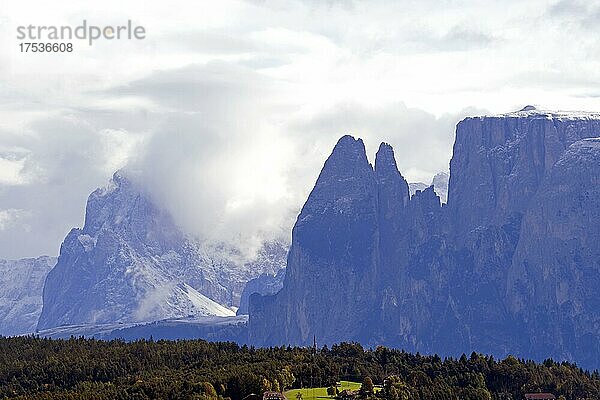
{"x":500,"y":256}
{"x":507,"y":266}
{"x":130,"y":265}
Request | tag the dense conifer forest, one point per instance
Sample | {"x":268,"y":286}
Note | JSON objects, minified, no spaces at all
{"x":37,"y":368}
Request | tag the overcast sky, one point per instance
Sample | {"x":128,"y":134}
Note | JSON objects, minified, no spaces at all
{"x":228,"y":109}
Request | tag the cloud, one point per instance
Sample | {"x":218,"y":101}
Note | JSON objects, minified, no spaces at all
{"x":233,"y":166}
{"x":422,"y":142}
{"x":463,"y":38}
{"x":584,"y":14}
{"x":208,"y":89}
{"x":215,"y":162}
{"x":10,"y":170}
{"x":227,"y":111}
{"x":11,"y":217}
{"x":569,"y":8}
{"x":60,"y":161}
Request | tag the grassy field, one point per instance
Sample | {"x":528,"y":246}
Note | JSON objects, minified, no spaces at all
{"x":320,"y":393}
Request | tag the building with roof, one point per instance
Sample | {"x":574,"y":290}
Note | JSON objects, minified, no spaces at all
{"x":540,"y":396}
{"x":273,"y":396}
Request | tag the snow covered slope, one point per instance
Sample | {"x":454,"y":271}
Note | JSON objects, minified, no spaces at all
{"x":21,"y":283}
{"x":209,"y":328}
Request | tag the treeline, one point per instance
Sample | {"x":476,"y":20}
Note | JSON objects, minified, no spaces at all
{"x":37,"y":368}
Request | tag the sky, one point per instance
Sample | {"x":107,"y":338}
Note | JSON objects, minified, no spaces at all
{"x":226,"y":111}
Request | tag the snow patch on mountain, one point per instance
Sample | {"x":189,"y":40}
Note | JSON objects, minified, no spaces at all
{"x":531,"y":111}
{"x":21,"y":284}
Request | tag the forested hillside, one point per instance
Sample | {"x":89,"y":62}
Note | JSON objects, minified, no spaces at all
{"x":36,"y":368}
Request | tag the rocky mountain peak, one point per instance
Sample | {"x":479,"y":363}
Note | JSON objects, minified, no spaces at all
{"x":385,"y":161}
{"x":528,"y":108}
{"x":392,"y":187}
{"x":346,"y":178}
{"x":509,"y":266}
{"x":347,"y":160}
{"x":131,"y":263}
{"x":440,"y":185}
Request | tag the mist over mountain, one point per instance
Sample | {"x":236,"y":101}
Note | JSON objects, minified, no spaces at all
{"x":507,"y":266}
{"x":131,"y":263}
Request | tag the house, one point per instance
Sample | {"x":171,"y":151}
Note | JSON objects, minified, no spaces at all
{"x":273,"y":396}
{"x":348,"y":394}
{"x":540,"y":396}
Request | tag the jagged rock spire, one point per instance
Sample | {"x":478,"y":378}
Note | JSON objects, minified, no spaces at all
{"x":393,"y":188}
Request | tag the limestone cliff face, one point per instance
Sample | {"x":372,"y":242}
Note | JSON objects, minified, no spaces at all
{"x":508,"y":266}
{"x":499,"y":171}
{"x":555,"y":274}
{"x":499,"y":162}
{"x":333,"y":259}
{"x":265,"y":284}
{"x":347,"y":266}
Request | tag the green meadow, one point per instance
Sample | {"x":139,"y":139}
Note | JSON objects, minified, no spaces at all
{"x":320,"y":393}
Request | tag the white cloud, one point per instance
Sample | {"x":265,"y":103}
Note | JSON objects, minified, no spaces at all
{"x":61,"y":160}
{"x":11,"y":217}
{"x":10,"y":171}
{"x":228,"y":109}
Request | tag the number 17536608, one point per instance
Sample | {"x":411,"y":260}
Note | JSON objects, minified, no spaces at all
{"x":27,"y":47}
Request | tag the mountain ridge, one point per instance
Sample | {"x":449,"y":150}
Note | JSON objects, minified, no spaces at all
{"x":432,"y":277}
{"x":131,"y":263}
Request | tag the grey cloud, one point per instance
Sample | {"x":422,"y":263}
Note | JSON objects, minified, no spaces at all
{"x":572,"y":80}
{"x":64,"y":160}
{"x":580,"y":14}
{"x":456,"y":39}
{"x":461,"y":38}
{"x":422,"y":141}
{"x":567,"y":8}
{"x":201,"y":161}
{"x":208,"y":88}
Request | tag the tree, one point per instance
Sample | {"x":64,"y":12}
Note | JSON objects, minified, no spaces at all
{"x":367,"y":387}
{"x":394,"y":389}
{"x":209,"y":390}
{"x":265,"y":385}
{"x":286,"y":377}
